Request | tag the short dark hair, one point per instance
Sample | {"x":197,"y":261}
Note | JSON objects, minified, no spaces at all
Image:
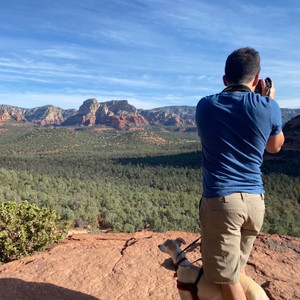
{"x":242,"y":65}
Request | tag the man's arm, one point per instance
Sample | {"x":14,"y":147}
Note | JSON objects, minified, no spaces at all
{"x":275,"y":143}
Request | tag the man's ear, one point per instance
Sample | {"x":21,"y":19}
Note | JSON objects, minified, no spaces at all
{"x":256,"y":80}
{"x":225,"y":80}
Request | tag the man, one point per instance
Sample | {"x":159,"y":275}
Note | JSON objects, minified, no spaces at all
{"x":235,"y":127}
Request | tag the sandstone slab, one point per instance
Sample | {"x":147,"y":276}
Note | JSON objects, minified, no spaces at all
{"x":109,"y":266}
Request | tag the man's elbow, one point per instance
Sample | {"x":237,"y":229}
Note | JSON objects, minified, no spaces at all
{"x":273,"y":150}
{"x":275,"y":143}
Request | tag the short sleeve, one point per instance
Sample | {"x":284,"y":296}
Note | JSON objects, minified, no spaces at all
{"x":276,"y":118}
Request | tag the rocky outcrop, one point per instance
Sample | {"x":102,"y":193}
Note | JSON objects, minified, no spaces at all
{"x":116,"y":114}
{"x":86,"y":114}
{"x":171,"y":115}
{"x":111,"y":266}
{"x":120,"y":115}
{"x":120,"y":107}
{"x":8,"y":112}
{"x":123,"y":121}
{"x":4,"y":117}
{"x":292,"y":134}
{"x":47,"y":115}
{"x":44,"y":115}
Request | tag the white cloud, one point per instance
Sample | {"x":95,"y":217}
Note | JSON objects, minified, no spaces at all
{"x":289,"y":102}
{"x":55,"y":52}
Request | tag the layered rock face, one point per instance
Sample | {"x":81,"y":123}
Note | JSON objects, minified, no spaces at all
{"x":119,"y":114}
{"x":109,"y":266}
{"x":47,"y":115}
{"x":44,"y":115}
{"x":170,"y":115}
{"x":116,"y":113}
{"x":86,"y":114}
{"x":8,"y":112}
{"x":292,"y":134}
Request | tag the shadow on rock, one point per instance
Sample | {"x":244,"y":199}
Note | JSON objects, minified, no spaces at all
{"x":12,"y":288}
{"x":168,"y":264}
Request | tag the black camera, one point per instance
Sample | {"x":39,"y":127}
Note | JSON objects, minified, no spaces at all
{"x":258,"y":88}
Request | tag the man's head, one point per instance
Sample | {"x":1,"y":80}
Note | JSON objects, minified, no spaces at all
{"x":242,"y":65}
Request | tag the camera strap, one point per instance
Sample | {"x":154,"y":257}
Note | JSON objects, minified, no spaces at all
{"x":236,"y":88}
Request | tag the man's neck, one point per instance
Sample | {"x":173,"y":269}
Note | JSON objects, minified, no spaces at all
{"x":237,"y":88}
{"x":247,"y":84}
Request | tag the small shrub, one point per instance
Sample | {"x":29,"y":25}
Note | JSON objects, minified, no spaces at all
{"x":25,"y":228}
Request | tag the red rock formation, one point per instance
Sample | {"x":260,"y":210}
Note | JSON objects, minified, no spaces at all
{"x":92,"y":112}
{"x":20,"y":118}
{"x":173,"y":121}
{"x":86,"y":114}
{"x":292,"y":135}
{"x":171,"y":115}
{"x":125,"y":122}
{"x":4,"y":117}
{"x":88,"y":121}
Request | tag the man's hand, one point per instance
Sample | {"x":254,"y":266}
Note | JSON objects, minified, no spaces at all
{"x":265,"y":90}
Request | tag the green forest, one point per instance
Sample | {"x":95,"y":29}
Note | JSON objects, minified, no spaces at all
{"x":127,"y":181}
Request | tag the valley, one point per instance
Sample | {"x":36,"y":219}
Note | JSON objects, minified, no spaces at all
{"x":127,"y":180}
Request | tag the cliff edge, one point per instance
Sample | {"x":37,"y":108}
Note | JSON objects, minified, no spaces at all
{"x":110,"y":266}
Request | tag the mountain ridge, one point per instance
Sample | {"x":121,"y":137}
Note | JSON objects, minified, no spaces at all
{"x":114,"y":113}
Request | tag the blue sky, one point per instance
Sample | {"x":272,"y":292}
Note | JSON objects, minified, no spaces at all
{"x":151,"y":52}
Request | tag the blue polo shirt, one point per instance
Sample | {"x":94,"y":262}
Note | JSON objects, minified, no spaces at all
{"x":234,"y":129}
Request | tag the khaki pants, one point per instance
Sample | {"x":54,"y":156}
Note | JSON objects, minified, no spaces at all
{"x":229,"y":226}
